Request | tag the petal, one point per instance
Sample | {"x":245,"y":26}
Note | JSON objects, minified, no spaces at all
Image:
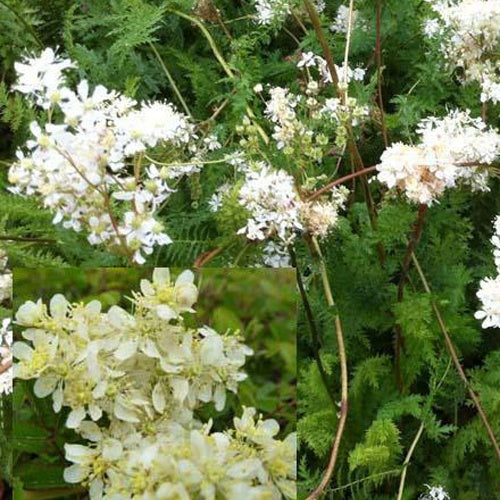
{"x":159,"y":401}
{"x":165,"y":312}
{"x":126,"y":350}
{"x":22,"y":351}
{"x":58,"y":306}
{"x":186,"y":276}
{"x":75,"y":473}
{"x":161,"y":276}
{"x":180,"y":387}
{"x":75,"y":417}
{"x":93,"y":307}
{"x":147,"y":288}
{"x":44,"y":386}
{"x":112,"y":449}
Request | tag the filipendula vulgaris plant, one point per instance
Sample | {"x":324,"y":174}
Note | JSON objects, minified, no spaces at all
{"x":132,"y":383}
{"x":88,"y":158}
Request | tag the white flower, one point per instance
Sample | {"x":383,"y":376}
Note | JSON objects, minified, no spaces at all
{"x":273,"y":203}
{"x":450,"y":148}
{"x":434,"y":493}
{"x":42,"y":76}
{"x":269,"y":11}
{"x":470,"y":38}
{"x":74,"y":167}
{"x":5,"y":357}
{"x":341,"y":23}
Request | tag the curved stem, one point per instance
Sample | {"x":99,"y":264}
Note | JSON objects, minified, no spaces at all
{"x":24,"y":22}
{"x":171,"y":80}
{"x":225,"y":66}
{"x":456,"y":361}
{"x":312,"y":327}
{"x":341,"y":180}
{"x":407,"y":461}
{"x":415,"y":238}
{"x":378,"y":50}
{"x":344,"y":379}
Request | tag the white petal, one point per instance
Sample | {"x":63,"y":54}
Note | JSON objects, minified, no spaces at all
{"x":124,"y":413}
{"x":126,"y":350}
{"x":161,"y":276}
{"x":58,"y":306}
{"x":147,"y":288}
{"x":211,"y":350}
{"x":165,"y":312}
{"x":180,"y":388}
{"x":112,"y":449}
{"x":75,"y":417}
{"x":186,"y":276}
{"x":93,"y":307}
{"x":44,"y":386}
{"x":159,"y":401}
{"x":75,"y":473}
{"x":22,"y":351}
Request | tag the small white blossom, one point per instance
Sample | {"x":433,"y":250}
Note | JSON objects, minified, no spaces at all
{"x":435,"y":493}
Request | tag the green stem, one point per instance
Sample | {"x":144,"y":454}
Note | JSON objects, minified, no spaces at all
{"x":171,"y":80}
{"x":24,"y":22}
{"x":312,"y":327}
{"x":225,"y":66}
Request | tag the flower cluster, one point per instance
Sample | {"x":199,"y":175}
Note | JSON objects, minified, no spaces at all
{"x":132,"y":383}
{"x":434,"y":493}
{"x":489,"y":288}
{"x":470,"y":34}
{"x":341,"y":22}
{"x":270,"y":11}
{"x":345,"y":74}
{"x":277,"y":211}
{"x":88,"y":167}
{"x":5,"y":357}
{"x":451,"y":151}
{"x":5,"y":278}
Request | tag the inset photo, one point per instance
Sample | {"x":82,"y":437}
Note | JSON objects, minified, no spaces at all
{"x":154,"y":384}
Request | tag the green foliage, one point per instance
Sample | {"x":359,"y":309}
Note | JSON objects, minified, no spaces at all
{"x":390,"y":396}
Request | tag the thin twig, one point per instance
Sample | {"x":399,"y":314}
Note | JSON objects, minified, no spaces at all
{"x":207,"y":257}
{"x":344,"y":406}
{"x":378,"y":50}
{"x":456,"y":361}
{"x":341,"y":180}
{"x":171,"y":80}
{"x":407,"y":460}
{"x":26,"y":239}
{"x":312,"y":327}
{"x":412,"y":245}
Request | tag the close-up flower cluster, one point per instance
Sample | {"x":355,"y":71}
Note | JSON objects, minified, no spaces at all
{"x":133,"y":383}
{"x":354,"y":144}
{"x":469,"y":35}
